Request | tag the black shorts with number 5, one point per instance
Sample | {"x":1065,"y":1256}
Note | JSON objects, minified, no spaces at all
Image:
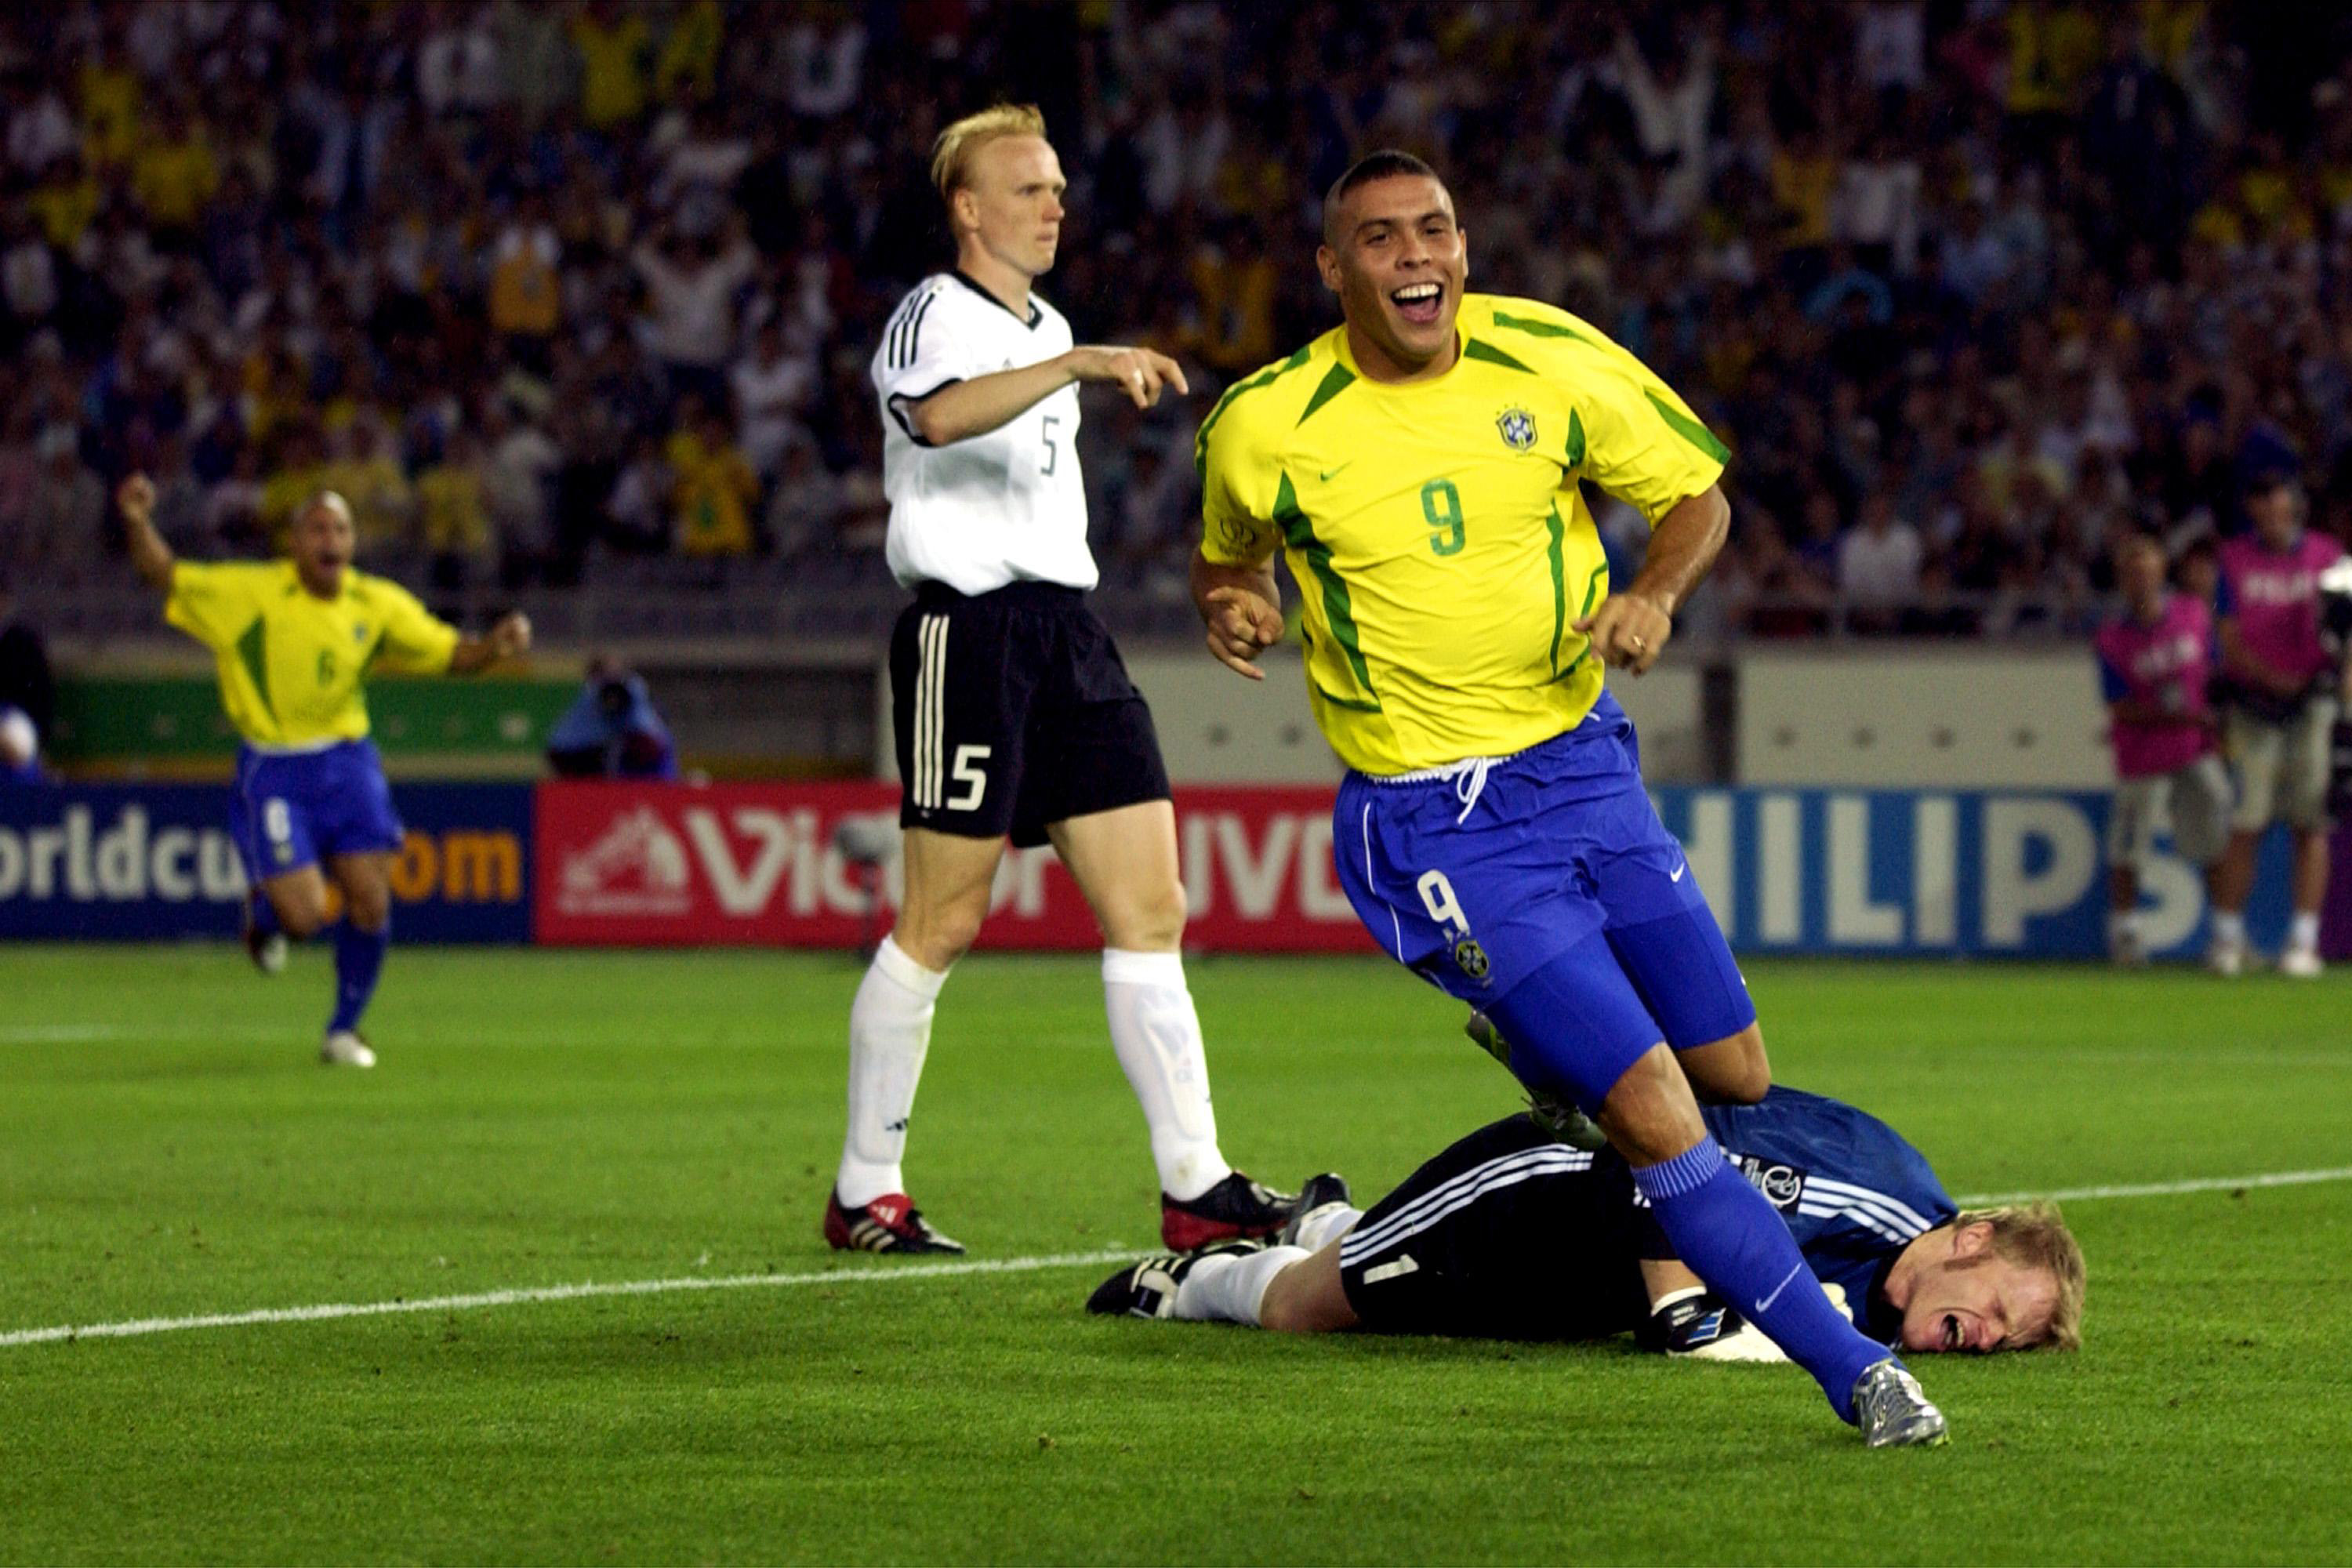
{"x":1013,"y":711}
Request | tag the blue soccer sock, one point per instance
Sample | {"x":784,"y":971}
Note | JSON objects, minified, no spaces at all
{"x":1730,"y":1238}
{"x":358,"y":958}
{"x":262,"y":913}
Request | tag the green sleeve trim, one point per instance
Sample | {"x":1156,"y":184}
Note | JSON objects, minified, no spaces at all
{"x":1338,"y":610}
{"x":1689,"y":429}
{"x":1536,"y":329}
{"x":252,"y":649}
{"x":1263,"y":378}
{"x":1591,"y":592}
{"x":1472,"y":349}
{"x":1335,"y":381}
{"x":1552,"y":553}
{"x":1575,"y":439}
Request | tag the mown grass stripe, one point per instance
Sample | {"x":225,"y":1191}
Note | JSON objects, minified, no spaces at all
{"x":529,"y":1296}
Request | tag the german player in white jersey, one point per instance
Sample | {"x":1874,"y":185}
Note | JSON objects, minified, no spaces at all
{"x":1014,"y":715}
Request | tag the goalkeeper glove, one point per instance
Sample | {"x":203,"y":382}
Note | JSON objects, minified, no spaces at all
{"x":1695,"y":1325}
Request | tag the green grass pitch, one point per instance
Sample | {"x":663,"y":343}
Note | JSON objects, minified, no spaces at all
{"x":167,"y":1147}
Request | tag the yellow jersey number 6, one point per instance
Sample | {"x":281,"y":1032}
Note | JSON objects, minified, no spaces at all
{"x":1441,"y":503}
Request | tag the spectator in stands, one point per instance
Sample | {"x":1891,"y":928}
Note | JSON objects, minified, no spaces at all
{"x":456,"y":524}
{"x":772,"y":386}
{"x":2015,"y":185}
{"x":612,"y":731}
{"x":613,"y":43}
{"x":63,"y":513}
{"x":1878,"y":567}
{"x":526,"y":295}
{"x":713,"y":487}
{"x":639,"y":508}
{"x":518,"y":480}
{"x":691,"y":286}
{"x":363,"y":472}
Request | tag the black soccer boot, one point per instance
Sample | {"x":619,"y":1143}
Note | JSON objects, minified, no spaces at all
{"x":1234,"y":1209}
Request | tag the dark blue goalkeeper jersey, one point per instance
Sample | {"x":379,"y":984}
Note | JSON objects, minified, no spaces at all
{"x":1508,"y":1235}
{"x":1852,"y":1190}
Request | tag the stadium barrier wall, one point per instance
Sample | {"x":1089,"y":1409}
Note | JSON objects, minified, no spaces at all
{"x":2003,"y":873}
{"x":148,"y":862}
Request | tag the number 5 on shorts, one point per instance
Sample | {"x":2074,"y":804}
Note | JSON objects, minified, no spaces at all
{"x":967,"y":771}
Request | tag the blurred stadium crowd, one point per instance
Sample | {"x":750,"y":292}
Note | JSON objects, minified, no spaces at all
{"x":1971,"y":287}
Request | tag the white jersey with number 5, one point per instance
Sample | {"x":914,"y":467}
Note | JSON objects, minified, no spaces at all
{"x":1005,"y":507}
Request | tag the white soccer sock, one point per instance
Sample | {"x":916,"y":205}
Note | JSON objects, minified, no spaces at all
{"x":2230,"y":926}
{"x":1231,"y":1289}
{"x":889,"y":1032}
{"x":1325,"y":1226}
{"x":1157,"y":1037}
{"x":2303,"y":936}
{"x":2122,"y":923}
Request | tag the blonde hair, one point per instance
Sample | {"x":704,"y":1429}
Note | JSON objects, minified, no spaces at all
{"x":2034,"y":1236}
{"x":951,"y":153}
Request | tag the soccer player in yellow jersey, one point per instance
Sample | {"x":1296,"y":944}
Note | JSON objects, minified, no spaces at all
{"x":1420,"y":464}
{"x":294,"y":640}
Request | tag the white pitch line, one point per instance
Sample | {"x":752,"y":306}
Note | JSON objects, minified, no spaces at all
{"x":139,"y":1327}
{"x":2166,"y":1189}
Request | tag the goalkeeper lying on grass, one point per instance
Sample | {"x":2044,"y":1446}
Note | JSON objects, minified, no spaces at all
{"x":1512,"y":1233}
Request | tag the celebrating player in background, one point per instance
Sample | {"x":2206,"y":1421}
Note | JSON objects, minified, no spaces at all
{"x":1508,"y":1235}
{"x":2285,"y":690}
{"x":293,"y":640}
{"x":2154,"y":660}
{"x":1014,"y":713}
{"x":1422,"y":463}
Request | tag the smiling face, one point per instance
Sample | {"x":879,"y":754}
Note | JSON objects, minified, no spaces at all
{"x":1963,"y":1296}
{"x":1394,"y":255}
{"x":323,"y":543}
{"x":1009,"y":208}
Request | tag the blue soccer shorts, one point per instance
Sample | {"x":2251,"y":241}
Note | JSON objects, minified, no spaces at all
{"x":1543,"y":889}
{"x":292,"y":809}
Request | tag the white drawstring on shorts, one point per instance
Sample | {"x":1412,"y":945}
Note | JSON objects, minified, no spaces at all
{"x":1468,"y":777}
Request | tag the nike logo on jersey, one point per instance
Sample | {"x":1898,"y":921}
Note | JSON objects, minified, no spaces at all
{"x":1328,"y":474}
{"x":1678,"y":872}
{"x":1766,"y":1304}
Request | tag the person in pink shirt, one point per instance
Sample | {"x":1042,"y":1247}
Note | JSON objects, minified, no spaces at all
{"x":2155,"y":661}
{"x":2285,"y":687}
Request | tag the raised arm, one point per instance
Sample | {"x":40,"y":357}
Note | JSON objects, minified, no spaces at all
{"x":974,"y":407}
{"x":149,"y":555}
{"x":507,"y":639}
{"x":1630,"y":629}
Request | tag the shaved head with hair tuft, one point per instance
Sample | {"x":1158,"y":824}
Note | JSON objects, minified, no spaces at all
{"x":951,"y":153}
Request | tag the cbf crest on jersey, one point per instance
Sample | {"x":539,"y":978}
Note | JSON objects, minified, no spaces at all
{"x":1519,"y":428}
{"x":1471,"y":957}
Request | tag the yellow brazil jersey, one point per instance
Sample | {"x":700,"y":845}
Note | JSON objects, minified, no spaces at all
{"x":1441,"y":545}
{"x":291,"y":663}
